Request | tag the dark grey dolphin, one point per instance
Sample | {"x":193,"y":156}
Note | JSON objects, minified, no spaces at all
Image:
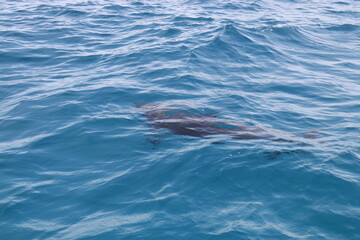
{"x":183,"y":121}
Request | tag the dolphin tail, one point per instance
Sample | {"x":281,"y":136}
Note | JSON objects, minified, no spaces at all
{"x":139,"y":104}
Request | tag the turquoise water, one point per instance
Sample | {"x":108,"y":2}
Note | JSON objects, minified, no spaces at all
{"x":78,"y":159}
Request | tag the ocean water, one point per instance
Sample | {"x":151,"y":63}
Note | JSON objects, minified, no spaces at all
{"x":79,"y":160}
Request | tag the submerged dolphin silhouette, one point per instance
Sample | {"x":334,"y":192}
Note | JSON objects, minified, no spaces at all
{"x":183,"y":121}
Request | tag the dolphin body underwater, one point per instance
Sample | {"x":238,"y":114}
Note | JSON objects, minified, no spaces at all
{"x":185,"y":121}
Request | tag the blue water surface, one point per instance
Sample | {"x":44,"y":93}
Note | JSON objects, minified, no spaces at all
{"x":78,"y":159}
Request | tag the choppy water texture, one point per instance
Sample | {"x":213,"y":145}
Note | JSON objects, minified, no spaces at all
{"x":79,"y":160}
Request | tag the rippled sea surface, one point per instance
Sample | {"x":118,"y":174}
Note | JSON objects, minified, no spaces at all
{"x":78,"y":159}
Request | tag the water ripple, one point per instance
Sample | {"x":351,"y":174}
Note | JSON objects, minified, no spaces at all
{"x":79,"y":159}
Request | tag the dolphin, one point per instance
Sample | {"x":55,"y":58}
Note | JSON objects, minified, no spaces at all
{"x":186,"y":121}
